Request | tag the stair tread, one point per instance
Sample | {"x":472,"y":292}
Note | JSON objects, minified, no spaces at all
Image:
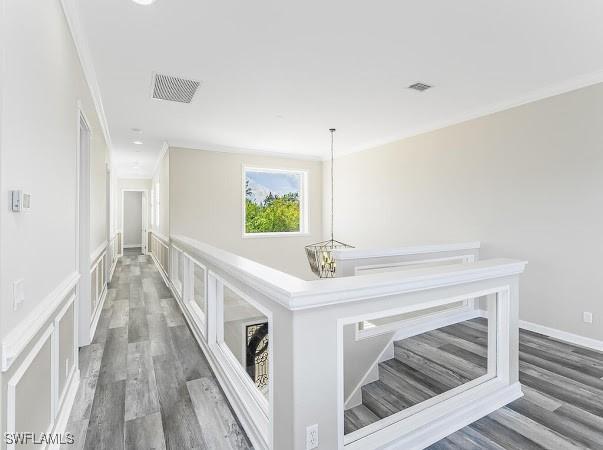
{"x":358,"y":417}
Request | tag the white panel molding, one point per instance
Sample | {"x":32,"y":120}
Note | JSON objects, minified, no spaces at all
{"x":11,"y":406}
{"x":65,"y":409}
{"x":81,"y":46}
{"x":18,"y":338}
{"x":97,"y":314}
{"x":96,"y":254}
{"x":572,"y":338}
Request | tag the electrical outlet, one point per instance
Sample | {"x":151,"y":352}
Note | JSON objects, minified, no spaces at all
{"x":587,"y":317}
{"x":312,"y":437}
{"x":18,"y":293}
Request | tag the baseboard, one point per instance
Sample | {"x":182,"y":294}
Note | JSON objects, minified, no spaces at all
{"x":253,"y":433}
{"x":571,"y":338}
{"x":133,"y":246}
{"x":69,"y":399}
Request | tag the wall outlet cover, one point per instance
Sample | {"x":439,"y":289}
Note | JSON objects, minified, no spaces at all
{"x":312,"y":437}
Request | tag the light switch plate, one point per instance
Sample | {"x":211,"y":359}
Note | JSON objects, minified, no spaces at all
{"x":587,"y":317}
{"x":18,"y":293}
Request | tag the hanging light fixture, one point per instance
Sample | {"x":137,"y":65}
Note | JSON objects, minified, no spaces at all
{"x":320,"y":254}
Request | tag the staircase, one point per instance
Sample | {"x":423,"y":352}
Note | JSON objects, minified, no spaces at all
{"x":423,"y":367}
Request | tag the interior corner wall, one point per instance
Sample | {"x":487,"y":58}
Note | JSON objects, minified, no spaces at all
{"x":206,"y":204}
{"x":526,"y":182}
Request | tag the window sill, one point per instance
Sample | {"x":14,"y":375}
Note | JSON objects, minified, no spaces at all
{"x":274,"y":235}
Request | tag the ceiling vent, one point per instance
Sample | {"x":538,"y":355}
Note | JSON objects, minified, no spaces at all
{"x":420,"y":87}
{"x":174,"y":89}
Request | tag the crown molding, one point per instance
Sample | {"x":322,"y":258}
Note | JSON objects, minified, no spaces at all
{"x":164,"y":148}
{"x":244,"y":151}
{"x":553,"y":90}
{"x":81,"y":45}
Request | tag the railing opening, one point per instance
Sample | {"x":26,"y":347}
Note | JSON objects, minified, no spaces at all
{"x":402,"y":375}
{"x":245,"y":334}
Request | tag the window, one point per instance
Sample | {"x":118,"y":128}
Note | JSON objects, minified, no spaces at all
{"x":157,"y":205}
{"x":274,"y":202}
{"x":152,"y":207}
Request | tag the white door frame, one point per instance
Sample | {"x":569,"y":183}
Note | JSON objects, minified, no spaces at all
{"x":82,"y":228}
{"x":145,"y":218}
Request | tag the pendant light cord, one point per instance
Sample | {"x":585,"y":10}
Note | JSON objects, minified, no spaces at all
{"x":332,"y":130}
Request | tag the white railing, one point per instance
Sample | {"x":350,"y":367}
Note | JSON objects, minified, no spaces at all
{"x":296,"y":378}
{"x":160,"y":251}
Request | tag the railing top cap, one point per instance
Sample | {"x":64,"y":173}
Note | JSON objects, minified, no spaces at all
{"x":295,"y":293}
{"x":363,"y":253}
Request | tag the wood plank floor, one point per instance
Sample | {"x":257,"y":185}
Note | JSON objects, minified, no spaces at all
{"x":145,"y":384}
{"x":562,"y":407}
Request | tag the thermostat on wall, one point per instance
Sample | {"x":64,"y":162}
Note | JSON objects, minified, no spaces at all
{"x":20,"y":201}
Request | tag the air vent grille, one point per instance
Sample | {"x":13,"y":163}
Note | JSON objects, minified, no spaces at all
{"x":420,"y":86}
{"x":174,"y":89}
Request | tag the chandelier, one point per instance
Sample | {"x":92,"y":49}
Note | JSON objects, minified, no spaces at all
{"x":320,"y":254}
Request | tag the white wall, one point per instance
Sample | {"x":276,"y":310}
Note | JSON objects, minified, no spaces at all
{"x":132,"y":218}
{"x":43,"y":82}
{"x":526,"y":182}
{"x":206,"y":204}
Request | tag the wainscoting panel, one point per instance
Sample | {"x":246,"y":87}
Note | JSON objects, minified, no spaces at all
{"x":39,"y":373}
{"x":30,"y":392}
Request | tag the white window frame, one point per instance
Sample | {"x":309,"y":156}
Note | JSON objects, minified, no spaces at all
{"x":157,"y":204}
{"x":303,"y":203}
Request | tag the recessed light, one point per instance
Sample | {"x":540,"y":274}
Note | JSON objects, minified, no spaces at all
{"x":144,"y":2}
{"x":137,"y":142}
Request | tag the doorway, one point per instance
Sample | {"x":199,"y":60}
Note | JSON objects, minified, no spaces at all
{"x":134,"y":222}
{"x":83,"y":229}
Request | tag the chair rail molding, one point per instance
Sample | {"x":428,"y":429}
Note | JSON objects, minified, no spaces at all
{"x":18,"y":338}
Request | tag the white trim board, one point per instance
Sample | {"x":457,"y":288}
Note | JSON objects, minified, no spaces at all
{"x":98,"y":252}
{"x":562,"y":335}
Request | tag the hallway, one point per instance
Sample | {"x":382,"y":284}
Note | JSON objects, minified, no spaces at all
{"x":144,"y":380}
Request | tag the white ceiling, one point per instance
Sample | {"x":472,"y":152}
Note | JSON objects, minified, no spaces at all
{"x":276,"y":75}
